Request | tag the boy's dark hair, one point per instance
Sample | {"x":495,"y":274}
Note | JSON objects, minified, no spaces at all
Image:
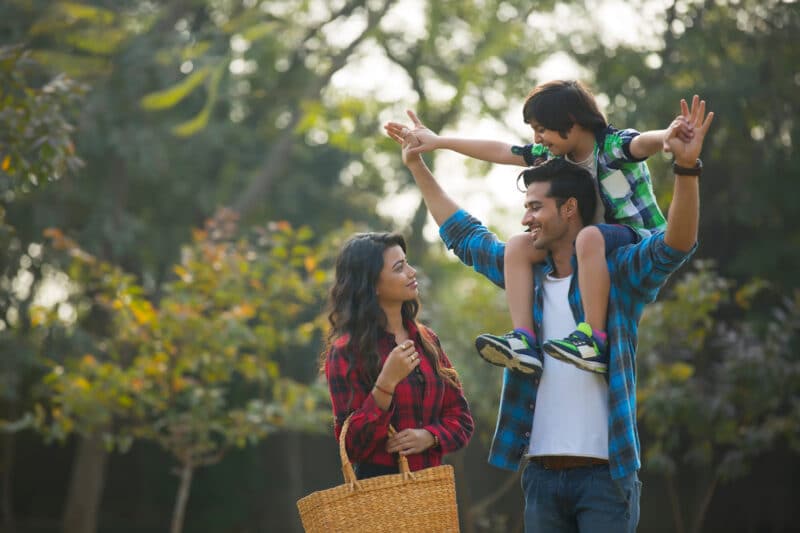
{"x":559,"y":104}
{"x":567,"y":180}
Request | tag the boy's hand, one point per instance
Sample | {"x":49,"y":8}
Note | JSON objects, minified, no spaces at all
{"x":425,"y":139}
{"x":679,"y":127}
{"x":410,"y":144}
{"x":686,"y":133}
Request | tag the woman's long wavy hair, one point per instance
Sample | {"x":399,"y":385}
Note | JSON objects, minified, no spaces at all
{"x":355,"y":310}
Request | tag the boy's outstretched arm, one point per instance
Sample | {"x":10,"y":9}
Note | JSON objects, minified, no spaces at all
{"x":649,"y":142}
{"x":485,"y":150}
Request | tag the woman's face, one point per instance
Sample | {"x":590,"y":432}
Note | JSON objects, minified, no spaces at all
{"x":397,"y":282}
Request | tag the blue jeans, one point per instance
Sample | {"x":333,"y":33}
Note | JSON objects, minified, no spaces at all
{"x":617,"y":235}
{"x":584,"y":500}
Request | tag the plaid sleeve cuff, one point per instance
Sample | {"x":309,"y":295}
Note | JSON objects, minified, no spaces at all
{"x":374,"y":414}
{"x":455,"y":226}
{"x":621,"y":140}
{"x":666,"y":256}
{"x":525,"y":152}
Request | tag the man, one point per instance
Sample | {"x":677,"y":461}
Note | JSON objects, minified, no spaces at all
{"x":575,"y":434}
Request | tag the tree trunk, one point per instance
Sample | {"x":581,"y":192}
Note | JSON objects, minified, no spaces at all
{"x":481,"y":506}
{"x":186,"y":472}
{"x":85,"y":486}
{"x":675,"y":504}
{"x":9,"y":524}
{"x":700,"y":515}
{"x":294,"y":471}
{"x":463,"y":492}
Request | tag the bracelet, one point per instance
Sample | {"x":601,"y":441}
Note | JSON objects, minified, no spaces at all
{"x":435,"y":440}
{"x":383,"y":390}
{"x":696,"y":170}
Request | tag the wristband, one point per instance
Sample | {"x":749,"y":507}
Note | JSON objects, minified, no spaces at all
{"x":696,"y":170}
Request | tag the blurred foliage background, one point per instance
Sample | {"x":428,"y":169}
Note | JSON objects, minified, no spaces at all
{"x":176,"y":177}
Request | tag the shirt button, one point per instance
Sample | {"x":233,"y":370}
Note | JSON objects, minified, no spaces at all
{"x":530,"y":406}
{"x":527,"y":433}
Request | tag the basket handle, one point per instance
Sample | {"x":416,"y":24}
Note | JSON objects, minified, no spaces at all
{"x":347,"y":466}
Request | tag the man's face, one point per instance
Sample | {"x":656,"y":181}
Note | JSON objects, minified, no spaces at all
{"x":552,"y":140}
{"x":542,"y":217}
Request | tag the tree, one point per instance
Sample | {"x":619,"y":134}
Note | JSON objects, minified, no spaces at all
{"x":195,"y":371}
{"x":718,"y":388}
{"x":143,"y":188}
{"x":36,"y":149}
{"x":716,"y":49}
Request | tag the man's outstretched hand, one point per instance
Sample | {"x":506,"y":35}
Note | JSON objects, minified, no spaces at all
{"x":688,"y":131}
{"x":424,"y":139}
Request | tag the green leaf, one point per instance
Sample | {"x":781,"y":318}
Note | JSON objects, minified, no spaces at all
{"x":170,"y":97}
{"x":101,"y":41}
{"x":76,"y":66}
{"x":78,"y":11}
{"x":190,"y":127}
{"x":253,"y":33}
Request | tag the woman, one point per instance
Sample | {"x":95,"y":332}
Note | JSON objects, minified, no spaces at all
{"x":384,"y":367}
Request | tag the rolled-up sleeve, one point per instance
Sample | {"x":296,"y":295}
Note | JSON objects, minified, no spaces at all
{"x":475,"y":245}
{"x":349,"y":395}
{"x":455,"y":426}
{"x":617,"y":145}
{"x":645,"y":266}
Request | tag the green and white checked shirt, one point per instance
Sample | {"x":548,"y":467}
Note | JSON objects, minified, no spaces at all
{"x":624,"y":181}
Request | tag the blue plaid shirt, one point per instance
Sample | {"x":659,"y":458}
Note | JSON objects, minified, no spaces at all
{"x":638,"y":271}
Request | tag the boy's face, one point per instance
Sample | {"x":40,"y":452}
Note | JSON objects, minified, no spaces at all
{"x":553,"y":140}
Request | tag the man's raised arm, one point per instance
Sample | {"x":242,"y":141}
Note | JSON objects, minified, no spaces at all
{"x":684,"y":212}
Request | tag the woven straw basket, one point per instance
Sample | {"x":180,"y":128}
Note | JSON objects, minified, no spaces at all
{"x":421,"y":501}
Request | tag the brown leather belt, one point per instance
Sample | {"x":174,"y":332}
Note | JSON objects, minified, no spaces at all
{"x":563,"y":462}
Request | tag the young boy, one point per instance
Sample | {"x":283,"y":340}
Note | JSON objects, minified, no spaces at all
{"x":567,"y":123}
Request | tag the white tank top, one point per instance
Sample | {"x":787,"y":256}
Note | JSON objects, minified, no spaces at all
{"x":571,"y":415}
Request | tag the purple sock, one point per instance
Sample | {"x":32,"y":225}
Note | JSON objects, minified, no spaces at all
{"x":601,"y":336}
{"x":528,"y":333}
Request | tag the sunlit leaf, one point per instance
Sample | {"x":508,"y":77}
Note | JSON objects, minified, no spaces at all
{"x":253,"y":33}
{"x":168,"y":98}
{"x":189,"y":128}
{"x":102,"y":41}
{"x":77,"y":66}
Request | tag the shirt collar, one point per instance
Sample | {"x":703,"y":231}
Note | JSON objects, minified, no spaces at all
{"x":410,"y":326}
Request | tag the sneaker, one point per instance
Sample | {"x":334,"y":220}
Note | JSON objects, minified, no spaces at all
{"x":512,"y":350}
{"x":581,"y":349}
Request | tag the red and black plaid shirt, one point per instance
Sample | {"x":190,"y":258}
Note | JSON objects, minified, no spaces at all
{"x":422,"y":400}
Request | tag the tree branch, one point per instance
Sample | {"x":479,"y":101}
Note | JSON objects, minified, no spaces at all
{"x":280,"y":154}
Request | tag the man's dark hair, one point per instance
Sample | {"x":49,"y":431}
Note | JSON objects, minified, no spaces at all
{"x":567,"y":180}
{"x":557,"y":105}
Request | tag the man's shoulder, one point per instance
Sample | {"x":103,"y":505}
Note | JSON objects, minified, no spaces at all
{"x":649,"y":250}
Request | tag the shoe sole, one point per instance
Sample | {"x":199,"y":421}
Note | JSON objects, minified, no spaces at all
{"x":495,"y":353}
{"x":590,"y":366}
